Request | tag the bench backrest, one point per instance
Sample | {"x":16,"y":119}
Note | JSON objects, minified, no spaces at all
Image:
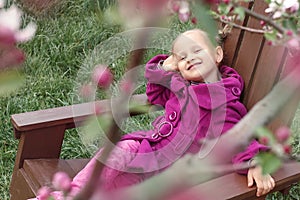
{"x":261,"y":64}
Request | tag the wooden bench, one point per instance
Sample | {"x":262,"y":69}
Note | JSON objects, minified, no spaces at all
{"x":40,"y":133}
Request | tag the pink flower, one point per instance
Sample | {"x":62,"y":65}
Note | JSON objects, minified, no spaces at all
{"x":293,"y":45}
{"x":175,"y":7}
{"x":102,"y":76}
{"x":194,"y":20}
{"x":44,"y":193}
{"x":184,"y":12}
{"x":289,"y":33}
{"x":11,"y":19}
{"x":278,"y":7}
{"x":282,"y":134}
{"x":264,"y":140}
{"x":262,"y":23}
{"x":287,"y":149}
{"x":61,"y":181}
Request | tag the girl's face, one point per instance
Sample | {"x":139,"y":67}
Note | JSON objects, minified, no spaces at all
{"x":196,"y":59}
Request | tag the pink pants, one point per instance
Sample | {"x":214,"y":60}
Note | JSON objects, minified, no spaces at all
{"x":112,"y":177}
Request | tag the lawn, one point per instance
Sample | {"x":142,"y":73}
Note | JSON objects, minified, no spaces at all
{"x":65,"y":37}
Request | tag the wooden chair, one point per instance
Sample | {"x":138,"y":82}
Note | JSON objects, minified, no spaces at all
{"x":40,"y":133}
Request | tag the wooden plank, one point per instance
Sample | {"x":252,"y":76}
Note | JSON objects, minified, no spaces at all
{"x":232,"y":42}
{"x":41,"y":143}
{"x":286,"y":115}
{"x":265,"y":75}
{"x":77,"y":164}
{"x":21,"y":188}
{"x":234,"y":186}
{"x":41,"y":171}
{"x":249,"y":50}
{"x":67,"y":115}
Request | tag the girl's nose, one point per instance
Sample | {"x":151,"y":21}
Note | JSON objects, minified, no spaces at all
{"x":190,"y":58}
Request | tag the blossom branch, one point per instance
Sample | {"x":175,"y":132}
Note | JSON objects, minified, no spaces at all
{"x":268,"y":20}
{"x":242,"y":27}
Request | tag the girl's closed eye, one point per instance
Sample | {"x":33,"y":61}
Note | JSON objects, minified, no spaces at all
{"x":182,"y":57}
{"x":197,"y":50}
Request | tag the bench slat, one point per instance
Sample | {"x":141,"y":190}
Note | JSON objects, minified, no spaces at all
{"x":234,"y":186}
{"x":41,"y":171}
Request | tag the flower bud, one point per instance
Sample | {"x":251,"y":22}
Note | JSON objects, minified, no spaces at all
{"x":264,"y":140}
{"x":262,"y":23}
{"x":289,"y":33}
{"x":226,"y":1}
{"x":287,"y":149}
{"x":61,"y":181}
{"x":102,"y":76}
{"x":282,"y":134}
{"x":175,"y":7}
{"x":194,"y":20}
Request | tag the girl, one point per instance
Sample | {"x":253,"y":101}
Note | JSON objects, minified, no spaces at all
{"x":201,"y":101}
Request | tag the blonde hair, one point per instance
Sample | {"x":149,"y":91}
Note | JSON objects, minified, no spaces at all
{"x":200,"y":32}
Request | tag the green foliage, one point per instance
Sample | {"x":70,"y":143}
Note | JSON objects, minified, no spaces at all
{"x":10,"y":80}
{"x":269,"y":162}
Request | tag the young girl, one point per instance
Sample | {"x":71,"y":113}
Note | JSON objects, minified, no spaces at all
{"x":201,"y":100}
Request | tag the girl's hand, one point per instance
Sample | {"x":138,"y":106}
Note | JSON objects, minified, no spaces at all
{"x":170,"y":64}
{"x":265,"y":183}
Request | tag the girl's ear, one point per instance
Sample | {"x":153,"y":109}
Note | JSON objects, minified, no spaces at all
{"x":219,"y":54}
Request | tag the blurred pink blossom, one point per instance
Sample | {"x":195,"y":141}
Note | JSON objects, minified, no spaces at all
{"x":287,"y":149}
{"x":282,"y":134}
{"x":184,"y":12}
{"x":102,"y":76}
{"x":61,"y":181}
{"x":278,"y":7}
{"x":293,"y":45}
{"x":44,"y":193}
{"x":11,"y":19}
{"x":11,"y":57}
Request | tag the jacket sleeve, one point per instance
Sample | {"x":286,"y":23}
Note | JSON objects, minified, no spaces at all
{"x":252,"y":150}
{"x":158,"y":85}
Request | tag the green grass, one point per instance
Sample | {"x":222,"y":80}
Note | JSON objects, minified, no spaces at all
{"x":63,"y":40}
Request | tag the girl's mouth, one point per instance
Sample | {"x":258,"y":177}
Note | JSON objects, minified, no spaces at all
{"x":191,"y":66}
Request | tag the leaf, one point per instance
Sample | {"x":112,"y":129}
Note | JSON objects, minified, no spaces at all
{"x":264,"y":132}
{"x":290,"y":24}
{"x":271,"y":36}
{"x":205,"y":20}
{"x":240,"y":12}
{"x":268,"y":1}
{"x":10,"y":81}
{"x":223,"y":9}
{"x":269,"y":162}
